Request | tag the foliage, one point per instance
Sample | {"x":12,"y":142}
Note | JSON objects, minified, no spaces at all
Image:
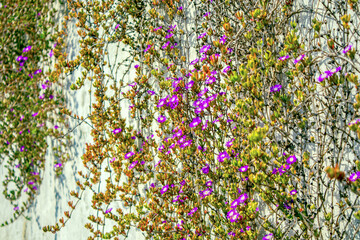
{"x":28,"y":102}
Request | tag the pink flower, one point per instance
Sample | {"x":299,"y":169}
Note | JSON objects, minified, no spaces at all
{"x":268,"y":236}
{"x":109,"y":210}
{"x":244,"y":168}
{"x":202,"y":35}
{"x":196,"y":121}
{"x":284,"y":57}
{"x":132,"y":165}
{"x":164,"y":189}
{"x":129,"y":154}
{"x":298,"y":59}
{"x":192,"y":211}
{"x":292,"y":159}
{"x":117,"y":130}
{"x":348,"y":48}
{"x":161,"y":119}
{"x":292,"y":192}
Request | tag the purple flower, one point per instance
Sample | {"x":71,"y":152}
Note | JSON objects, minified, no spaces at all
{"x":332,"y":71}
{"x":353,"y":177}
{"x":51,"y":53}
{"x":202,"y":92}
{"x":205,"y":48}
{"x":117,"y":26}
{"x":176,"y":198}
{"x":298,"y":59}
{"x":275,"y":88}
{"x":189,"y":85}
{"x":284,"y":57}
{"x":348,"y":48}
{"x":208,"y":183}
{"x":132,"y":165}
{"x":223,"y":156}
{"x":202,"y":35}
{"x":322,"y":77}
{"x":165,"y":45}
{"x":292,"y":159}
{"x":268,"y":236}
{"x":243,"y":197}
{"x":37,"y":71}
{"x":192,"y":211}
{"x":235,"y":203}
{"x":152,"y":185}
{"x":56,"y":126}
{"x":292,"y":192}
{"x":129,"y":154}
{"x":210,"y":80}
{"x":136,"y":66}
{"x":16,"y":208}
{"x":196,"y":121}
{"x":161,"y":119}
{"x":35,"y":114}
{"x":183,"y":182}
{"x":22,"y":148}
{"x":244,"y":168}
{"x":205,"y":126}
{"x":223,"y":39}
{"x":194,"y":61}
{"x":148,"y":47}
{"x":206,"y":14}
{"x":171,"y":28}
{"x":169,"y":35}
{"x":205,"y":193}
{"x":206,"y":169}
{"x":229,"y":143}
{"x":28,"y":48}
{"x":164,"y":189}
{"x":157,"y":28}
{"x":162,"y":102}
{"x":117,"y":130}
{"x":107,"y":211}
{"x":19,"y":58}
{"x":186,"y":144}
{"x":226,"y":69}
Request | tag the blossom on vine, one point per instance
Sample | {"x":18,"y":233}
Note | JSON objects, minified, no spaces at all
{"x":136,"y":66}
{"x":22,"y":148}
{"x":275,"y":88}
{"x":222,"y":156}
{"x":206,"y":169}
{"x":298,"y":59}
{"x":192,"y":211}
{"x":186,"y":144}
{"x":293,"y":192}
{"x":132,"y":165}
{"x":205,"y":48}
{"x":148,"y":47}
{"x":152,"y":185}
{"x":37,"y":71}
{"x":205,"y":125}
{"x":196,"y":121}
{"x":223,"y":39}
{"x":244,"y":168}
{"x":202,"y":35}
{"x":178,"y":133}
{"x":28,"y":48}
{"x":129,"y":154}
{"x":202,"y":92}
{"x":231,"y":234}
{"x":194,"y":61}
{"x":157,"y":28}
{"x":16,"y":208}
{"x":169,"y":35}
{"x":284,"y":57}
{"x":292,"y":159}
{"x":189,"y":85}
{"x":117,"y":130}
{"x":208,"y":183}
{"x":205,"y":193}
{"x":235,"y":203}
{"x":164,"y":189}
{"x":109,"y":210}
{"x":248,"y":228}
{"x":171,"y":28}
{"x":210,"y":80}
{"x":35,"y":114}
{"x":176,"y":198}
{"x":268,"y":236}
{"x":161,"y":119}
{"x":243,"y":197}
{"x":348,"y":48}
{"x":206,"y":14}
{"x":332,"y":71}
{"x":165,"y":45}
{"x":226,"y":69}
{"x":353,"y":177}
{"x":229,"y":143}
